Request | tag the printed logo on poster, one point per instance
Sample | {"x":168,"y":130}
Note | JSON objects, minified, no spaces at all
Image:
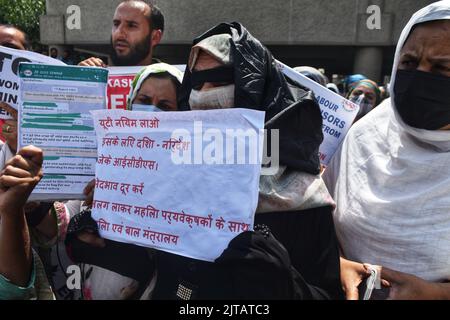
{"x":336,"y":122}
{"x":28,"y":73}
{"x":349,"y":106}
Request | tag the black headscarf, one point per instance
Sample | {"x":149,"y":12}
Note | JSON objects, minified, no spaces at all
{"x":260,"y":85}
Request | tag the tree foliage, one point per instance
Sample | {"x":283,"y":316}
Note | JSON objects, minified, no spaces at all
{"x":23,"y":14}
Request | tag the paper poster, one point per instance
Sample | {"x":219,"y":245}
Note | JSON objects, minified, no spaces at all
{"x":54,"y":115}
{"x":181,"y":67}
{"x":119,"y":84}
{"x":182,"y":182}
{"x":9,"y":77}
{"x":338,"y":113}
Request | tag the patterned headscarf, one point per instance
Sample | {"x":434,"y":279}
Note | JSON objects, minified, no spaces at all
{"x":147,"y":72}
{"x":368,"y":84}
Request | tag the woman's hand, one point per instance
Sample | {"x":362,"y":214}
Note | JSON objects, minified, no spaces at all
{"x":89,"y":193}
{"x":21,"y":174}
{"x":408,"y":287}
{"x":352,"y":274}
{"x":19,"y":177}
{"x":92,"y":62}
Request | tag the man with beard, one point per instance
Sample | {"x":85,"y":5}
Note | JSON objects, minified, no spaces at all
{"x":138,"y":27}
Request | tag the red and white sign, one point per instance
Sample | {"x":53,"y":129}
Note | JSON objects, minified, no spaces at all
{"x":119,"y":84}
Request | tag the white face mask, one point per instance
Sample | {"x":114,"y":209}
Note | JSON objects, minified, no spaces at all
{"x":364,"y":105}
{"x":145,"y":107}
{"x":215,"y":98}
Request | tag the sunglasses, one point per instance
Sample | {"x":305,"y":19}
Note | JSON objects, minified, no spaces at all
{"x":220,"y":76}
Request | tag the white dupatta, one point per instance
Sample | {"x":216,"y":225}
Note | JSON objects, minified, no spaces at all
{"x":391,"y":183}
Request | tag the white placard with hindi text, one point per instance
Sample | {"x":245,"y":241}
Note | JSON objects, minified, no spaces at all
{"x":338,"y":113}
{"x":175,"y":181}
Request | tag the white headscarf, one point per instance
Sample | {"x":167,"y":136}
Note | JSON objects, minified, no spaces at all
{"x":391,"y":183}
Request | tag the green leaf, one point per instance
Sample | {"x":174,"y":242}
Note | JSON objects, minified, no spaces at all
{"x":23,"y":14}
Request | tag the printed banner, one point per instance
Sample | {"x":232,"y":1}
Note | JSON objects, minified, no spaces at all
{"x":9,"y":74}
{"x":338,"y":113}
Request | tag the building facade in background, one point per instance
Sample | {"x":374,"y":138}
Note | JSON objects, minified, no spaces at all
{"x":340,"y":36}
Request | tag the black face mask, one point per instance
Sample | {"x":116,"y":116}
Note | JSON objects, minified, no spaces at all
{"x":223,"y":75}
{"x":423,"y":99}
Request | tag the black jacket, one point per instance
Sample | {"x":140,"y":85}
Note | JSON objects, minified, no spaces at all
{"x":261,"y":86}
{"x":297,"y":260}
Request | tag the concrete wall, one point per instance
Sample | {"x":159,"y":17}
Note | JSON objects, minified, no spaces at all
{"x":330,"y":34}
{"x":280,"y":22}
